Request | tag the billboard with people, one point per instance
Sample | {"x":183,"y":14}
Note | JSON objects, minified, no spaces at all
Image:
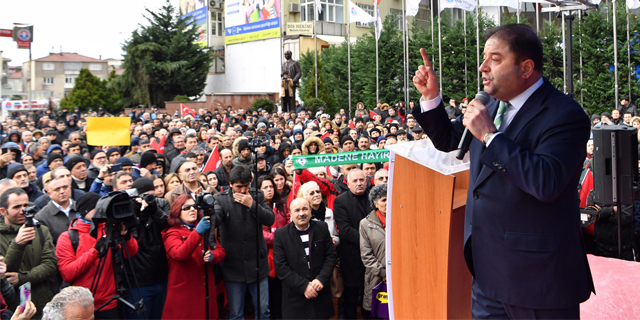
{"x":249,"y":20}
{"x":196,"y":12}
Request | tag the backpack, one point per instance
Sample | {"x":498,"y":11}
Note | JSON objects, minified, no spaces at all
{"x":75,"y":240}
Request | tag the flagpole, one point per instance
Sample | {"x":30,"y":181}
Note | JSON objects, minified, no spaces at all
{"x":440,"y":50}
{"x":518,"y":12}
{"x":615,"y":51}
{"x":375,"y":5}
{"x":406,"y":25}
{"x":628,"y":54}
{"x":432,"y":33}
{"x":478,"y":43}
{"x":315,"y":37}
{"x":349,"y":58}
{"x":581,"y":76}
{"x":466,"y":74}
{"x":564,"y":56}
{"x":537,"y":9}
{"x":404,"y":57}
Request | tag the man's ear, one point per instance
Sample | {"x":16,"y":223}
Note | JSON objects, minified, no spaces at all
{"x":527,"y":68}
{"x":3,"y":211}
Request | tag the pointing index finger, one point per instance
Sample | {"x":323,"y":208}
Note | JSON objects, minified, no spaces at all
{"x":425,"y":58}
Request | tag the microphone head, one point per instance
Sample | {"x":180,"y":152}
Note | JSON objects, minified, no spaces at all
{"x":483,"y":97}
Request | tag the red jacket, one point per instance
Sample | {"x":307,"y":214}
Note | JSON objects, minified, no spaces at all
{"x":282,"y":218}
{"x":79,"y":267}
{"x":185,"y":288}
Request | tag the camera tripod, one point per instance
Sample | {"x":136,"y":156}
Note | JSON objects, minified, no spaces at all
{"x":114,"y":240}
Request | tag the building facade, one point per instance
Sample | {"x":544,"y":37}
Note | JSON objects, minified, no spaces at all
{"x":53,"y":77}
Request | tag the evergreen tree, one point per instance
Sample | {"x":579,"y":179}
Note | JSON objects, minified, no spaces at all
{"x":89,"y":92}
{"x":162,"y":61}
{"x":324,"y":93}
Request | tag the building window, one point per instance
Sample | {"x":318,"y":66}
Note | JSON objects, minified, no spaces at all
{"x":332,"y":10}
{"x":399,"y":18}
{"x":423,"y":17}
{"x":48,"y":80}
{"x":217,"y":24}
{"x":218,"y":62}
{"x":95,"y":67}
{"x":48,"y":66}
{"x":73,"y":65}
{"x":69,"y":79}
{"x":369,"y":8}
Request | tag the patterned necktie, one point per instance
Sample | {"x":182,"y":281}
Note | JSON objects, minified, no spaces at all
{"x":500,"y":115}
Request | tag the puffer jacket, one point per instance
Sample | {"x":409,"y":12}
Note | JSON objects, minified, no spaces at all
{"x":79,"y":266}
{"x":35,"y":263}
{"x":373,"y":253}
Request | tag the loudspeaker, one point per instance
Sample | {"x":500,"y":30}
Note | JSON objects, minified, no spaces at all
{"x":615,"y":164}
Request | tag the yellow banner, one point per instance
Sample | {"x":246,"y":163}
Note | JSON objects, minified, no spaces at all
{"x":108,"y":131}
{"x":258,"y":35}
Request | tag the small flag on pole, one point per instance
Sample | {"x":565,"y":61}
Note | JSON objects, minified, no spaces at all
{"x":357,"y":14}
{"x":633,"y":4}
{"x":412,"y":7}
{"x":213,"y":162}
{"x":378,"y":24}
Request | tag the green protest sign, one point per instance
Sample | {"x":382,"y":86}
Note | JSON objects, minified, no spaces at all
{"x":335,"y":159}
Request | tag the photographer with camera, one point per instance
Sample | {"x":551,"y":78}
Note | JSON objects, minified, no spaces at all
{"x":150,"y":263}
{"x":286,"y":92}
{"x":241,"y":217}
{"x":28,"y":249}
{"x":102,"y":185}
{"x":184,"y":242}
{"x":79,"y":254}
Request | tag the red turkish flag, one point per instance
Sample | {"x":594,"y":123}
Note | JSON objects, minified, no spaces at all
{"x":184,"y":110}
{"x":372,"y":114}
{"x":213,"y":162}
{"x":158,"y":146}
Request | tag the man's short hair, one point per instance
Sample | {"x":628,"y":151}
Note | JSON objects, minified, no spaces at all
{"x":191,"y":136}
{"x":240,"y":174}
{"x":4,"y":198}
{"x":69,"y":296}
{"x":522,"y":41}
{"x":54,"y":173}
{"x":120,"y":174}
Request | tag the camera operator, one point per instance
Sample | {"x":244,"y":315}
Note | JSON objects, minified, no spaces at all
{"x":606,"y":229}
{"x":102,"y":185}
{"x":150,"y":263}
{"x":28,"y":250}
{"x":235,"y":213}
{"x":78,"y":265}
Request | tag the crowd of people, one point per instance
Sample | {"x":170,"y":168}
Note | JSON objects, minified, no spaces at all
{"x":295,"y":243}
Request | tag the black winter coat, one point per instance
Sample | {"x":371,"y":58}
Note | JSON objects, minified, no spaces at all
{"x":292,"y":268}
{"x":150,"y":263}
{"x":348,"y":212}
{"x":238,"y":235}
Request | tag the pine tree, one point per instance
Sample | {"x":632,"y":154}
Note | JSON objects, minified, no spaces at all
{"x":89,"y":92}
{"x":162,"y":61}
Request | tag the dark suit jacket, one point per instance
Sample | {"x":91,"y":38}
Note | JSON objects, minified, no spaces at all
{"x":291,"y":267}
{"x":522,"y":205}
{"x":348,"y":213}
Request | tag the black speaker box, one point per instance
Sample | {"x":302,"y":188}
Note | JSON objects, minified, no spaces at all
{"x":615,"y":164}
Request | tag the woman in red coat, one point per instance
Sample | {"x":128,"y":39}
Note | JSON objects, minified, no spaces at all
{"x":281,"y":210}
{"x":184,"y":243}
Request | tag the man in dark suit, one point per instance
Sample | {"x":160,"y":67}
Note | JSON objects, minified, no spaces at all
{"x":304,"y":258}
{"x":523,"y":242}
{"x":348,"y":209}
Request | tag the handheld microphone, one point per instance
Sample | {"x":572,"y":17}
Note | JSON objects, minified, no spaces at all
{"x":465,"y":141}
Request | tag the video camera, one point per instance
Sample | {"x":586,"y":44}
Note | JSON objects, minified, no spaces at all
{"x":115,"y":209}
{"x":204,"y":201}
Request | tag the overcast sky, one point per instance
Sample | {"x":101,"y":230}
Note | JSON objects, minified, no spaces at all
{"x":87,"y":27}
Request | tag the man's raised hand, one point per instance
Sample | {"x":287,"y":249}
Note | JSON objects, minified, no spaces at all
{"x":425,"y":79}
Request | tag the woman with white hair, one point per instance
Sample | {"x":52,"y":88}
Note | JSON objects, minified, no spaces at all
{"x":311,"y":192}
{"x":372,"y":243}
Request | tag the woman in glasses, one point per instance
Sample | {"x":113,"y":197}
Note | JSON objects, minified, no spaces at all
{"x":184,"y":243}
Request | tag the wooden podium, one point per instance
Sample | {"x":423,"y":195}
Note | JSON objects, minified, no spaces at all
{"x":427,"y":275}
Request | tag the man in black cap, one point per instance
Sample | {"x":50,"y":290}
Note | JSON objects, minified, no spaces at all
{"x":627,"y":107}
{"x":98,"y":160}
{"x":328,"y":145}
{"x":148,"y":164}
{"x":417,"y":132}
{"x":52,"y":135}
{"x":18,"y":173}
{"x":392,"y":138}
{"x":347,"y":144}
{"x":262,"y":168}
{"x":113,"y":154}
{"x":243,"y":154}
{"x":78,"y":168}
{"x":402,"y":135}
{"x":54,"y":160}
